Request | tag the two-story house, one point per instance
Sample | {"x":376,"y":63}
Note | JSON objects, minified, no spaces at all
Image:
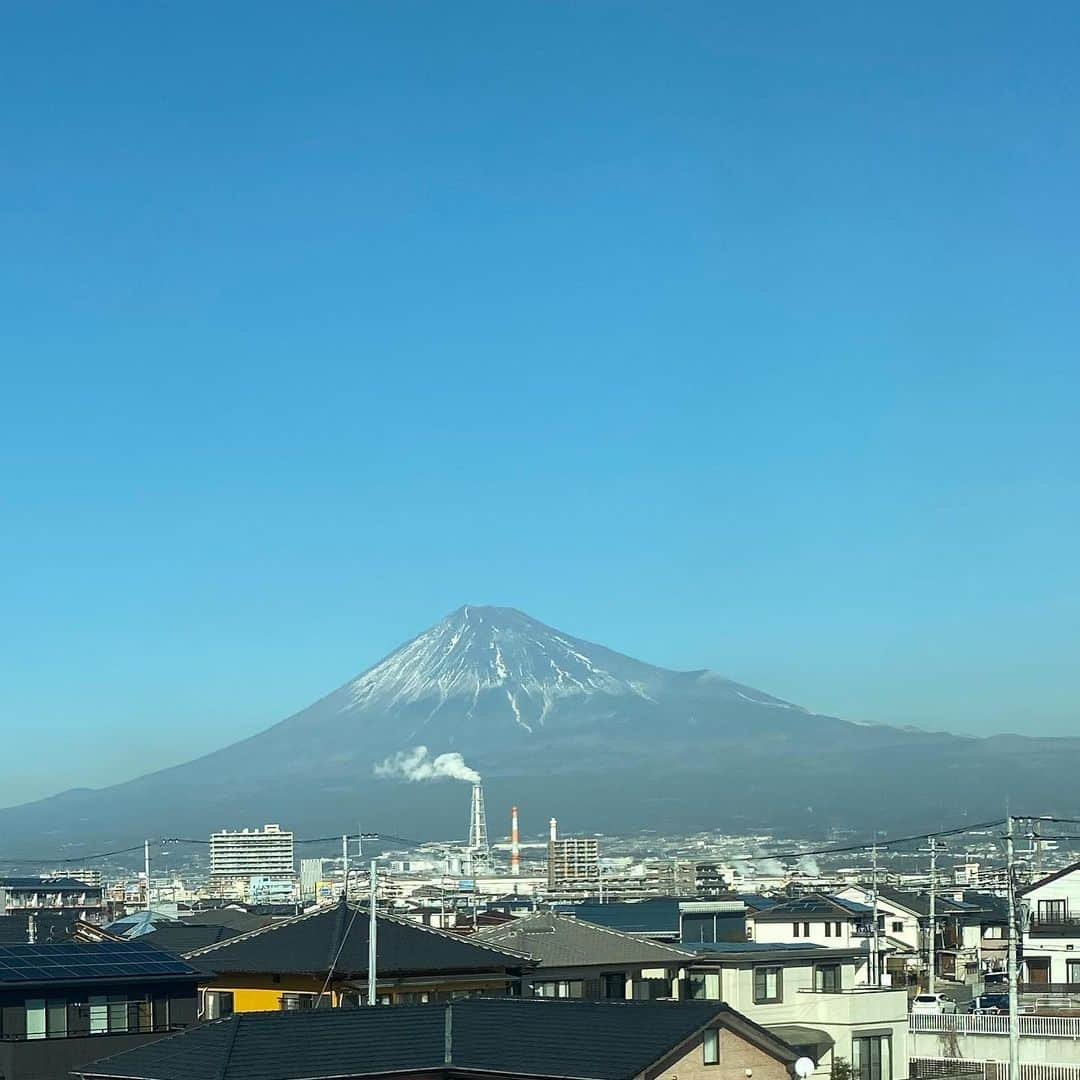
{"x":64,"y":1004}
{"x":321,"y":958}
{"x":1050,"y":911}
{"x":578,"y":959}
{"x":904,"y":928}
{"x":833,"y":922}
{"x":808,"y":994}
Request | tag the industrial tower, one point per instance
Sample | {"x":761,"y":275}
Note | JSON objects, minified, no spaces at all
{"x":479,"y":850}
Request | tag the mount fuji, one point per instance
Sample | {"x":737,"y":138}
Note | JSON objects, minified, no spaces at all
{"x":562,"y":727}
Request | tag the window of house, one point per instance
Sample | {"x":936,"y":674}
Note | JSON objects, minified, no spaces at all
{"x":35,"y":1018}
{"x":703,"y":986}
{"x":836,"y":929}
{"x":871,"y":1058}
{"x":290,"y":1001}
{"x":795,"y":929}
{"x":56,"y":1018}
{"x":898,"y":926}
{"x":651,"y":989}
{"x":613,"y":986}
{"x":768,"y":985}
{"x":805,"y":929}
{"x":219,"y":1003}
{"x":711,"y":1047}
{"x":827,"y":978}
{"x":560,"y":988}
{"x":1053,"y":910}
{"x":828,"y":929}
{"x":1072,"y":971}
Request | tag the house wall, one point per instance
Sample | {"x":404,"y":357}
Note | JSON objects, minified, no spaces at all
{"x":843,"y":1015}
{"x":53,"y":1059}
{"x":737,"y":1056}
{"x":1058,"y":949}
{"x":262,"y":993}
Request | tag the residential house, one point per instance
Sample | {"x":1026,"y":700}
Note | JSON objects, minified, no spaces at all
{"x":831,"y":921}
{"x":64,"y":1004}
{"x":667,"y":919}
{"x":322,"y":957}
{"x":1051,"y":935}
{"x":904,"y":922}
{"x":481,"y":1038}
{"x":578,"y":959}
{"x":808,"y":994}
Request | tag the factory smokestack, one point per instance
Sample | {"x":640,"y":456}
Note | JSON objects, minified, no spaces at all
{"x":479,"y":850}
{"x":515,"y":843}
{"x":553,"y":830}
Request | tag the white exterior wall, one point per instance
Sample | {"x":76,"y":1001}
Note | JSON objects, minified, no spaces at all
{"x":266,"y":852}
{"x":842,"y":1015}
{"x":1060,"y":950}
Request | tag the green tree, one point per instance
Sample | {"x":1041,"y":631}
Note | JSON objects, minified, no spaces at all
{"x":841,"y":1069}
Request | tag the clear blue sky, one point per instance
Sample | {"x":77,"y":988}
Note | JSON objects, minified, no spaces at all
{"x":729,"y":335}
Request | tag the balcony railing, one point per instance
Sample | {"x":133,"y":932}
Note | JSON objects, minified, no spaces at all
{"x":1048,"y":1027}
{"x":1054,"y":926}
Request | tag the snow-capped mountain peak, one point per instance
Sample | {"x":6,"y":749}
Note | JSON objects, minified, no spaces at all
{"x":488,"y":651}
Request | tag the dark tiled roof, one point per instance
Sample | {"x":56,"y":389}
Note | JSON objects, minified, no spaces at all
{"x":816,"y":905}
{"x":920,"y":902}
{"x":766,"y":951}
{"x":180,"y":938}
{"x":522,"y":1037}
{"x":562,"y":941}
{"x":338,"y":935}
{"x":656,"y":916}
{"x":66,"y":962}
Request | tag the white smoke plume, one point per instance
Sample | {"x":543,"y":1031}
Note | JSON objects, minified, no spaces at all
{"x":416,"y":764}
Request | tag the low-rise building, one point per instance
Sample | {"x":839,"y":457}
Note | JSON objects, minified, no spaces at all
{"x":48,"y":895}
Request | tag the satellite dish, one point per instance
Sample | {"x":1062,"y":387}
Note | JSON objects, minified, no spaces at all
{"x":804,"y":1067}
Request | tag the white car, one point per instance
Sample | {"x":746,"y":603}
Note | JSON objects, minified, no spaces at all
{"x":932,"y":1003}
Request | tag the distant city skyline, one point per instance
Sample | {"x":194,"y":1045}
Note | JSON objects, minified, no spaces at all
{"x":741,"y":340}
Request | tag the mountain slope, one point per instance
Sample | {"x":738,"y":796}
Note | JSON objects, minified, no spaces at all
{"x":573,"y":727}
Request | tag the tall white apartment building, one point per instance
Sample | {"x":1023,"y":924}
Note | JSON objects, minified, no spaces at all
{"x":265,"y":852}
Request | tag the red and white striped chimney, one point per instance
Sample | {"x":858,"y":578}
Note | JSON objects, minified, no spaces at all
{"x":515,"y":843}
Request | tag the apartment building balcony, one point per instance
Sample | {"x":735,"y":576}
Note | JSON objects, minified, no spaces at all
{"x":1059,"y":926}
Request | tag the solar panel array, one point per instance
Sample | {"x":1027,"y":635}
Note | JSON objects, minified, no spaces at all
{"x":67,"y":960}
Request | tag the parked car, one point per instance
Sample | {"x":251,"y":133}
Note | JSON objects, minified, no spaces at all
{"x":991,"y":1004}
{"x":932,"y":1003}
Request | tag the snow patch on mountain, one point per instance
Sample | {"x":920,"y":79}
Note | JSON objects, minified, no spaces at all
{"x":478,"y":649}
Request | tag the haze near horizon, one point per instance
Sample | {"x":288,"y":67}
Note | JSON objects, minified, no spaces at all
{"x":740,"y":340}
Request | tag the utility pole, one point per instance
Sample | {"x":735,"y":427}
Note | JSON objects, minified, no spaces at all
{"x":1014,"y":989}
{"x":345,"y":866}
{"x":875,"y":951}
{"x":146,"y":870}
{"x":373,"y":929}
{"x":931,"y":946}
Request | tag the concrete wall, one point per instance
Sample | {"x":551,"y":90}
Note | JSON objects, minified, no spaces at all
{"x":1033,"y":1048}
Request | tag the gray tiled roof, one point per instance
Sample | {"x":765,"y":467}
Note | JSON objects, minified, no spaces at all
{"x":563,"y":941}
{"x":591,"y":1040}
